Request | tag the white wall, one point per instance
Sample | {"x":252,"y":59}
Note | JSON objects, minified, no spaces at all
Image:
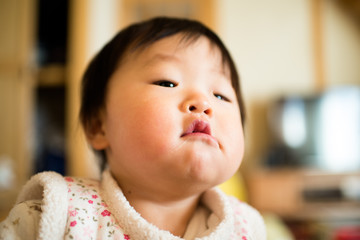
{"x":271,"y":43}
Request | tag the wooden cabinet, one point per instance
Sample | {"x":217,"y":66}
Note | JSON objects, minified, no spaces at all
{"x":16,"y":96}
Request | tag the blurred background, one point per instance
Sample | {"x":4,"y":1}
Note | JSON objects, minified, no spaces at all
{"x":299,"y":62}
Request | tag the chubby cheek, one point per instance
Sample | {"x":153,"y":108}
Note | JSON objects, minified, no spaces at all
{"x":144,"y":132}
{"x":237,"y":151}
{"x":234,"y":145}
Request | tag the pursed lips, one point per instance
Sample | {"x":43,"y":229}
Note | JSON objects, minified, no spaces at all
{"x":199,"y":128}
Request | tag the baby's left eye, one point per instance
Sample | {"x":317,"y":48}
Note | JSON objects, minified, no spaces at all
{"x":221,"y":97}
{"x":165,"y":83}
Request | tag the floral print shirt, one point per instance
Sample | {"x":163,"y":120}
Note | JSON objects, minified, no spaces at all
{"x":88,"y":215}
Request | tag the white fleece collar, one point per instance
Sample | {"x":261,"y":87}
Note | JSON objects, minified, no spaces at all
{"x":138,"y":228}
{"x":51,"y":188}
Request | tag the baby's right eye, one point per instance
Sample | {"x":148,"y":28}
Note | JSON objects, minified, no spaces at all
{"x":165,"y":83}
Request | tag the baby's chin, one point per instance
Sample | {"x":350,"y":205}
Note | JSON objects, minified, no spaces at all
{"x":212,"y":171}
{"x":204,"y":180}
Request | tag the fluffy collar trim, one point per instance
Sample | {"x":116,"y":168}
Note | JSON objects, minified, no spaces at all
{"x":51,"y":188}
{"x":131,"y":221}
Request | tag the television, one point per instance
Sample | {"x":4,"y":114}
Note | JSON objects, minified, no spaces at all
{"x":320,"y":131}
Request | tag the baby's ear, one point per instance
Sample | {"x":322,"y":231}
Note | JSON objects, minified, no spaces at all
{"x":96,"y":134}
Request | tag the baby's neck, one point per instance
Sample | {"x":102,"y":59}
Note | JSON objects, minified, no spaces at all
{"x":172,"y":216}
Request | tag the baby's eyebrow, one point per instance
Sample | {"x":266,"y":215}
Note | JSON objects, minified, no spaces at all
{"x":222,"y":73}
{"x":160,"y":57}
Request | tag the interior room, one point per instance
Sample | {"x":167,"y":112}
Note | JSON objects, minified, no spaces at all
{"x":299,"y":64}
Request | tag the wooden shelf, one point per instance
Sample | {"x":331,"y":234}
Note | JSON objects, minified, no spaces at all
{"x":51,"y":75}
{"x":282,"y":192}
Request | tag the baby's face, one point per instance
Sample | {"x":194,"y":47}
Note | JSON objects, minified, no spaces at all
{"x":172,"y":121}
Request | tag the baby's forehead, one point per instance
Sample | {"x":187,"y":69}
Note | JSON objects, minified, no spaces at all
{"x":171,"y":49}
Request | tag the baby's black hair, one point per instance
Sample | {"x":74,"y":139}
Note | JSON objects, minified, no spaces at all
{"x":136,"y":37}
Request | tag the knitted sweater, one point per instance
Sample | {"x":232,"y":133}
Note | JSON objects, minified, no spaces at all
{"x":54,"y":207}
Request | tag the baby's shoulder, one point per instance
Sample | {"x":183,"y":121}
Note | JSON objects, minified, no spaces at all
{"x":50,"y":187}
{"x":42,"y":205}
{"x":42,"y":185}
{"x":83,"y":185}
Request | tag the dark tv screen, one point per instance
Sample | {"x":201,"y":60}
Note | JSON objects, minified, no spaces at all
{"x":320,"y":131}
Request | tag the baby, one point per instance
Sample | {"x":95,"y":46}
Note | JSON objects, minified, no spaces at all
{"x":161,"y":104}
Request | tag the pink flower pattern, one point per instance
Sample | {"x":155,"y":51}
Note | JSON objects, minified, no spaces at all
{"x":105,"y":213}
{"x":88,"y":215}
{"x":68,"y":179}
{"x":72,"y":212}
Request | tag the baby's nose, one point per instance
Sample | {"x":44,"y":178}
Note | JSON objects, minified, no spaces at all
{"x":198,"y":104}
